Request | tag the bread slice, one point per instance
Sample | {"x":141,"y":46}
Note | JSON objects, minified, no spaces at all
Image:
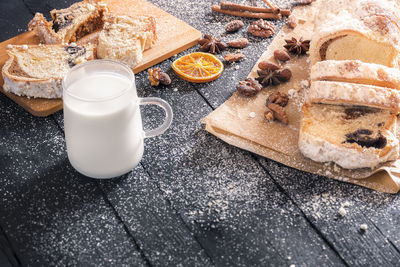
{"x":351,"y":136}
{"x":37,"y":70}
{"x":367,"y":30}
{"x":69,"y":24}
{"x":356,"y":71}
{"x":124,"y":38}
{"x":353,"y":94}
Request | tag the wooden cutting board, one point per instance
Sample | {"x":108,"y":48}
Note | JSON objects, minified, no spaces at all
{"x":174,"y":36}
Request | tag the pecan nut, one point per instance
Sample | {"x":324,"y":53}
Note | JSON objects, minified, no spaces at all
{"x":279,"y":113}
{"x":234,"y":25}
{"x":239,"y":43}
{"x":262,"y":28}
{"x":233,"y":57}
{"x":249,"y":87}
{"x":157,"y":77}
{"x":278,"y":98}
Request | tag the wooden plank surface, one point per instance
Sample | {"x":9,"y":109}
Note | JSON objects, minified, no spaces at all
{"x":274,"y":215}
{"x":174,"y":36}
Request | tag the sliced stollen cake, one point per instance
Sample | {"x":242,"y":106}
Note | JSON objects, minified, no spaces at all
{"x":124,"y":38}
{"x":341,"y":93}
{"x":367,"y":30}
{"x":69,"y":24}
{"x":351,"y":136}
{"x":37,"y":70}
{"x":356,"y":71}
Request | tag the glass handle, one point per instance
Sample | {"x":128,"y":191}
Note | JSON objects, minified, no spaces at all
{"x":168,"y":115}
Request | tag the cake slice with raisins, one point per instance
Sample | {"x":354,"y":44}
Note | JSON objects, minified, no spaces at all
{"x":351,"y":136}
{"x":37,"y":70}
{"x":69,"y":24}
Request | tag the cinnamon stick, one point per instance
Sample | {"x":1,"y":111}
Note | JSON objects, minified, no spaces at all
{"x":239,"y":7}
{"x":246,"y":14}
{"x":285,"y":12}
{"x":272,"y":5}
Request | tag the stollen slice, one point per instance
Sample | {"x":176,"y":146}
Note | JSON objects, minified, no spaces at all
{"x":341,"y":93}
{"x":124,"y":38}
{"x":69,"y":24}
{"x":350,"y":136}
{"x":356,"y":71}
{"x":37,"y":70}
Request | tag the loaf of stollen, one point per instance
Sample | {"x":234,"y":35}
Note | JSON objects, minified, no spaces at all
{"x":349,"y":114}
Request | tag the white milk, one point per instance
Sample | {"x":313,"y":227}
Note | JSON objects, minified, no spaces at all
{"x":104,"y":138}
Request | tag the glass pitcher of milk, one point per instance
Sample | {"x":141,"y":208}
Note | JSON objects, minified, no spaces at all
{"x":102,"y":120}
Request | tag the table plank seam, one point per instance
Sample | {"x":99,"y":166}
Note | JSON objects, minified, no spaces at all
{"x":58,"y":125}
{"x":125,"y":227}
{"x":28,"y":8}
{"x":387,"y":238}
{"x":312,"y":225}
{"x":12,"y":250}
{"x":179,"y":215}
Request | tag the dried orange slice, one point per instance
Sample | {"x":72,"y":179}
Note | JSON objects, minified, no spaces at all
{"x":198,"y":67}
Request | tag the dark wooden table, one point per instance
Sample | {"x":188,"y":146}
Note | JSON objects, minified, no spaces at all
{"x":192,"y":201}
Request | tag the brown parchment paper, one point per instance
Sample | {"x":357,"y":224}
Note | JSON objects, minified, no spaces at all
{"x":234,"y":121}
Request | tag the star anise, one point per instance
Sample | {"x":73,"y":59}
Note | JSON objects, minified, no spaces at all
{"x":211,"y":44}
{"x":297,"y":47}
{"x":273,"y":77}
{"x":267,"y":77}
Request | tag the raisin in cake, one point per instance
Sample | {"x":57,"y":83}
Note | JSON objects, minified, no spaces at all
{"x":37,"y":70}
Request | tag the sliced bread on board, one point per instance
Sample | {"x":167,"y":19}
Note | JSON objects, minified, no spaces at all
{"x":37,"y":70}
{"x":124,"y":38}
{"x":69,"y":24}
